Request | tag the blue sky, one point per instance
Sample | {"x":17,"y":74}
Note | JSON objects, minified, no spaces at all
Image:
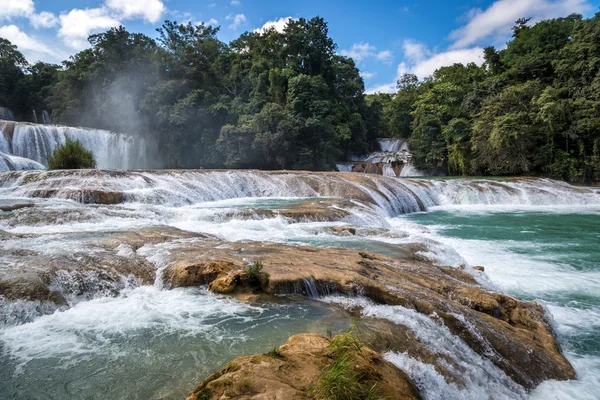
{"x":385,"y":37}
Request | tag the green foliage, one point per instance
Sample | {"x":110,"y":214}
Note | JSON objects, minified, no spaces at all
{"x":254,"y":271}
{"x":532,"y":108}
{"x":339,"y":381}
{"x":204,"y":394}
{"x":275,"y":352}
{"x":71,"y":155}
{"x":286,"y":100}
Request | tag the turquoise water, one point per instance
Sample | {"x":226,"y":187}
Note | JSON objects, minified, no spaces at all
{"x":146,"y":344}
{"x":551,"y":255}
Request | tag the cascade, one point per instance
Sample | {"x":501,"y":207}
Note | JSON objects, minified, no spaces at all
{"x":391,"y":196}
{"x":38,"y":142}
{"x":9,"y":162}
{"x":394,"y":154}
{"x":6,"y":114}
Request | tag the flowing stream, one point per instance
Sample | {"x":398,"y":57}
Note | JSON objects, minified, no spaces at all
{"x":537,"y":239}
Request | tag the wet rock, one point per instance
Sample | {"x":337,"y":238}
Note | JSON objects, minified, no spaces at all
{"x":479,"y":268}
{"x":14,"y":207}
{"x":344,"y":229}
{"x":85,"y":196}
{"x":295,"y":371}
{"x":512,"y":334}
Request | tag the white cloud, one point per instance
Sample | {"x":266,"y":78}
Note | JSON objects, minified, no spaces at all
{"x":43,"y":20}
{"x":16,"y":8}
{"x":279,"y":25}
{"x":384,"y":56}
{"x":149,"y":10}
{"x":367,"y":75}
{"x":499,"y":18}
{"x":212,"y":22}
{"x":427,"y":67}
{"x":383,"y":88}
{"x":236,"y":3}
{"x":237,"y":20}
{"x":78,"y":24}
{"x":32,"y":48}
{"x":422,"y":62}
{"x":361,"y":51}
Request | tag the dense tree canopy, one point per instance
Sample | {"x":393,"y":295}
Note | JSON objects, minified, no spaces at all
{"x":532,"y":108}
{"x":276,"y":100}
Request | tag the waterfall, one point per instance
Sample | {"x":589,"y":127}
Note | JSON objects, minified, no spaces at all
{"x":393,"y":145}
{"x":6,"y":114}
{"x":9,"y":162}
{"x":344,"y":167}
{"x":38,"y":142}
{"x":46,"y":117}
{"x":390,"y":196}
{"x":410,"y":170}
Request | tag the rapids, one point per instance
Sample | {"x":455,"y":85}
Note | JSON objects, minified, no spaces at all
{"x":113,"y":333}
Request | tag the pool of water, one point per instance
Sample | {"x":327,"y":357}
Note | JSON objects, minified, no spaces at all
{"x":147,"y":343}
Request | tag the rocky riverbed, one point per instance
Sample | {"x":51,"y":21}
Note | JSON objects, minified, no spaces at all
{"x":257,"y":242}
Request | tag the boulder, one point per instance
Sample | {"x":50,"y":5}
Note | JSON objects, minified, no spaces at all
{"x":295,"y":371}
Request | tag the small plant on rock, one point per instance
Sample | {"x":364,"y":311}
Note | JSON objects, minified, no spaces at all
{"x":254,"y":271}
{"x":339,"y":380}
{"x":275,"y":352}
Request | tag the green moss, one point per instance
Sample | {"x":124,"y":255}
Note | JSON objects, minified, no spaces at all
{"x":204,"y":394}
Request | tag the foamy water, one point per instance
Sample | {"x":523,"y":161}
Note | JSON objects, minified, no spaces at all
{"x":535,"y":239}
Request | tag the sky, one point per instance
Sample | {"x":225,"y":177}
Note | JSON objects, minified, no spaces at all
{"x":386,"y":38}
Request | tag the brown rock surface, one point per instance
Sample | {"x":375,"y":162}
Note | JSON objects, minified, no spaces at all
{"x":513,"y":334}
{"x":292,"y":374}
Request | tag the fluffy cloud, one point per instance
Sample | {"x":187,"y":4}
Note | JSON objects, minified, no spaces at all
{"x":384,"y":56}
{"x":422,"y":62}
{"x":498,"y":19}
{"x":16,"y":8}
{"x":236,"y":20}
{"x":29,"y":46}
{"x":426,"y":66}
{"x":236,"y":3}
{"x":279,"y":25}
{"x":362,"y":51}
{"x":367,"y":75}
{"x":212,"y":22}
{"x":149,"y":10}
{"x":78,"y":24}
{"x":43,"y":20}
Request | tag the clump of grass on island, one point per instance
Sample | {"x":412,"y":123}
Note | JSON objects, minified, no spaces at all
{"x":254,"y":271}
{"x":275,"y":352}
{"x":339,"y":381}
{"x":72,"y":155}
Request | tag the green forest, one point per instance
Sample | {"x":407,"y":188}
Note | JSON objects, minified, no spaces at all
{"x":287,"y":100}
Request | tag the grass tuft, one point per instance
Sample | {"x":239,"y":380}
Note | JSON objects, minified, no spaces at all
{"x":339,"y":381}
{"x":275,"y":352}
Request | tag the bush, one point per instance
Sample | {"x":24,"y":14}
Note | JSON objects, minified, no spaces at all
{"x":71,"y":155}
{"x":254,"y":271}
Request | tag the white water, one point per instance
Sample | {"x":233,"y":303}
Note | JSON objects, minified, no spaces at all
{"x":6,"y":114}
{"x":208,"y":201}
{"x":38,"y":142}
{"x":9,"y":162}
{"x":483,"y":379}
